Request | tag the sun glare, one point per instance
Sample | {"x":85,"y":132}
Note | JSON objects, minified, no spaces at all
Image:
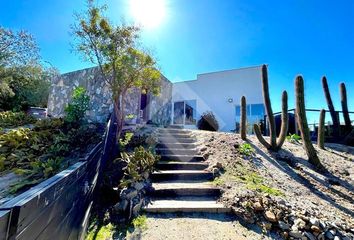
{"x":148,"y":13}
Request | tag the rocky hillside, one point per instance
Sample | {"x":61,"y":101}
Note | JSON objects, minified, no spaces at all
{"x":281,"y":191}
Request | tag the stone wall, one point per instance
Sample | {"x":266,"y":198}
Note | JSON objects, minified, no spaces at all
{"x":159,"y":107}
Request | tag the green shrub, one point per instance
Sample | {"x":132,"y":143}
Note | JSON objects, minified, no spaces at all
{"x":208,"y":122}
{"x":15,"y":119}
{"x":293,"y":138}
{"x":246,"y":149}
{"x":139,"y":162}
{"x":76,"y":109}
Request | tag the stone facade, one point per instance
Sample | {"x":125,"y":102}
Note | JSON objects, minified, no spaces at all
{"x":158,"y":107}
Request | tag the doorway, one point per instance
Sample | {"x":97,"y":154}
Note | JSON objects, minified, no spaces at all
{"x":184,"y":112}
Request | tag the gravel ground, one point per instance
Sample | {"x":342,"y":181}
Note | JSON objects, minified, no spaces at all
{"x":326,"y":196}
{"x":196,"y":227}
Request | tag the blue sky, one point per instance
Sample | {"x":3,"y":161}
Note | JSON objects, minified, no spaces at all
{"x":312,"y":38}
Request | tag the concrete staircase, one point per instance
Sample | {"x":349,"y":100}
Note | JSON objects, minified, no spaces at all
{"x":182,"y":181}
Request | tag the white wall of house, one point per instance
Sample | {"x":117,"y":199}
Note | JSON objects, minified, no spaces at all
{"x":220,"y":92}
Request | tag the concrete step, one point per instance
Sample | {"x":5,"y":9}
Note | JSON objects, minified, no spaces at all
{"x":181,"y":158}
{"x":194,"y":175}
{"x":176,"y":145}
{"x":176,"y":140}
{"x":181,"y":165}
{"x":175,"y":126}
{"x":186,"y":204}
{"x":174,"y":135}
{"x":173,"y":130}
{"x":176,"y":189}
{"x":172,"y":151}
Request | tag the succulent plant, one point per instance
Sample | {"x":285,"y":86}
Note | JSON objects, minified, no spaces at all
{"x":344,"y":103}
{"x":302,"y":123}
{"x":332,"y":111}
{"x":243,"y":122}
{"x":321,"y":129}
{"x":274,"y":144}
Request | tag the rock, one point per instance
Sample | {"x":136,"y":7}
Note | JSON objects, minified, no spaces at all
{"x":283,"y":225}
{"x":295,"y":234}
{"x":218,"y":165}
{"x":299,"y":223}
{"x":314,"y":221}
{"x":315,"y":229}
{"x":121,"y":206}
{"x":310,"y":236}
{"x":321,"y":236}
{"x":269,"y":215}
{"x":336,"y":238}
{"x":138,"y":186}
{"x":257,"y":206}
{"x":323,"y":225}
{"x":285,"y":235}
{"x":137,"y":208}
{"x":329,"y":235}
{"x":131,"y":194}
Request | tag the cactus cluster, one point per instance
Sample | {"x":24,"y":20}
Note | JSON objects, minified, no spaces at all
{"x":344,"y":103}
{"x":274,"y":144}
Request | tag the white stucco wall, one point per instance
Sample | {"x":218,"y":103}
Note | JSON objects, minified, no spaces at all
{"x":212,"y":91}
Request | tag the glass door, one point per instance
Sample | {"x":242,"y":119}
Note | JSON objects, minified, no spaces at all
{"x":178,"y":112}
{"x":184,"y":112}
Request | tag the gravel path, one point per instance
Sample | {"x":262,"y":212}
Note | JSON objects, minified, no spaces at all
{"x":195,"y":227}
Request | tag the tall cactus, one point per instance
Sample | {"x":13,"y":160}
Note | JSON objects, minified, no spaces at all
{"x":302,"y":122}
{"x":243,"y":122}
{"x":321,"y":129}
{"x":344,"y":103}
{"x":334,"y":116}
{"x":274,"y":144}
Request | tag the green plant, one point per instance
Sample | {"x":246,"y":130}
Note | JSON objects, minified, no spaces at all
{"x":302,"y":123}
{"x":321,"y":129}
{"x":243,"y":122}
{"x":124,"y":142}
{"x":101,"y":232}
{"x":138,"y":162}
{"x":15,"y":119}
{"x":274,"y":144}
{"x":332,"y":111}
{"x":208,"y":122}
{"x":293,"y":138}
{"x":246,"y":149}
{"x":79,"y":104}
{"x":140,"y":222}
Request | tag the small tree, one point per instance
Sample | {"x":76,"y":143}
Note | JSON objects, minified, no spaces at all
{"x":79,"y":104}
{"x":114,"y":50}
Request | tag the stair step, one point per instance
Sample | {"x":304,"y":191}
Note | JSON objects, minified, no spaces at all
{"x":173,"y":130}
{"x":172,"y":151}
{"x":166,"y":175}
{"x":173,"y":189}
{"x":176,"y":145}
{"x":181,"y":158}
{"x":176,"y":140}
{"x":205,"y":205}
{"x":174,"y":135}
{"x":175,"y":127}
{"x":182,"y":165}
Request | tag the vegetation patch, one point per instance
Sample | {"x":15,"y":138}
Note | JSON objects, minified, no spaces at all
{"x":15,"y":119}
{"x":250,"y":178}
{"x":246,"y":149}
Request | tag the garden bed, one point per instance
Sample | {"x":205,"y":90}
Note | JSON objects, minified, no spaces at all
{"x":28,"y":156}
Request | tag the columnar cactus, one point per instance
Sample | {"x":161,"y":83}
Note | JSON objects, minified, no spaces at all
{"x":334,"y":116}
{"x":302,"y":122}
{"x":321,"y":129}
{"x":243,"y":122}
{"x":274,"y":144}
{"x":344,"y":103}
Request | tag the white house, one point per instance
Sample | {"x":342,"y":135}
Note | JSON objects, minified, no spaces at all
{"x":220,"y":93}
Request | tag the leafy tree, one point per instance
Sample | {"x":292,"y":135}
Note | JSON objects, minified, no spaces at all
{"x":114,"y":49}
{"x":23,"y":80}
